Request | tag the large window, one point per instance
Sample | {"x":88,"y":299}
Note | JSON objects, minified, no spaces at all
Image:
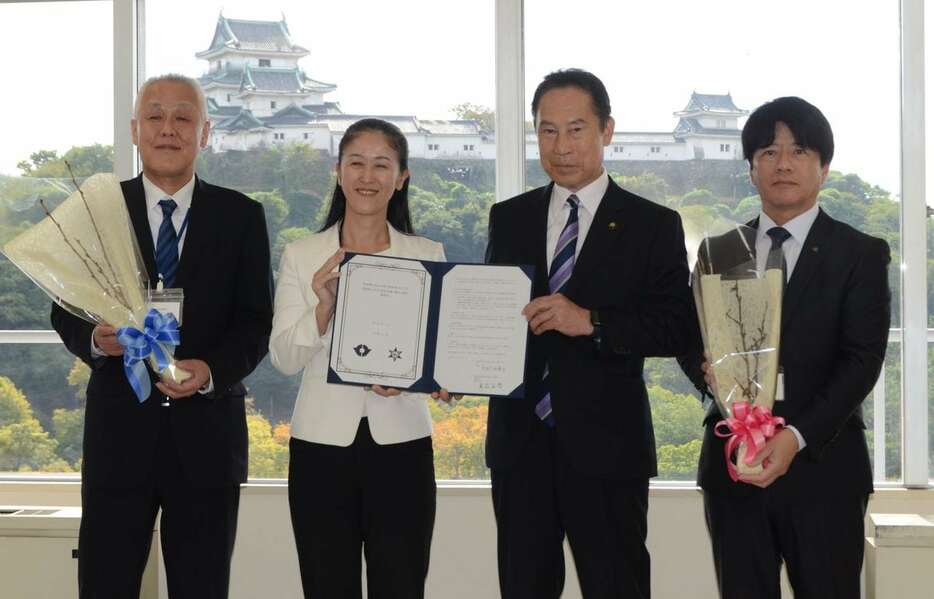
{"x":278,"y":116}
{"x":58,"y":111}
{"x":681,"y":78}
{"x":679,"y":108}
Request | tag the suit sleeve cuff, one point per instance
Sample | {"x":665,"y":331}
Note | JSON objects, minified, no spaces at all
{"x":801,"y":442}
{"x":208,"y":387}
{"x":96,"y":351}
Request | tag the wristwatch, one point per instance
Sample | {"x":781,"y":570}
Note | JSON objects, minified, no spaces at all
{"x":597,"y":324}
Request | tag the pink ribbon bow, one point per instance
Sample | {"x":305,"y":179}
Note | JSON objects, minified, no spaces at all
{"x":752,"y":425}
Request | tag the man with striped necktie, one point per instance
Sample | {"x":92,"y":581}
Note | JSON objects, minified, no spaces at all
{"x":182,"y":450}
{"x":611,"y":287}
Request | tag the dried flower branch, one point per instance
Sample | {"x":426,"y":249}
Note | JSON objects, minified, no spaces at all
{"x":85,"y":258}
{"x":97,"y":231}
{"x":750,"y":345}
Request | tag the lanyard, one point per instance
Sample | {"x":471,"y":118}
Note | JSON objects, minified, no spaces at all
{"x":178,"y":240}
{"x":181,"y":231}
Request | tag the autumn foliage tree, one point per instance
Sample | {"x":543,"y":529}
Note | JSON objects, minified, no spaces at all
{"x":458,"y":440}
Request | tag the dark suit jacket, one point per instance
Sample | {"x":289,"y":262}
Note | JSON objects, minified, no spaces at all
{"x":835,"y":326}
{"x":227,"y":316}
{"x":632,"y":269}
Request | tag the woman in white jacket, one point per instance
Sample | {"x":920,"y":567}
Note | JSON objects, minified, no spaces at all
{"x":361,"y":470}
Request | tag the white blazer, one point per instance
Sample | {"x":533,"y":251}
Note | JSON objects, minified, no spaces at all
{"x":326,"y":413}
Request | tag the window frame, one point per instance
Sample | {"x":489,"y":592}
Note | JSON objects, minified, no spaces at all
{"x":914,"y":336}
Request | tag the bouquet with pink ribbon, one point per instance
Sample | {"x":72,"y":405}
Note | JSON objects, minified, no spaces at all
{"x":739,"y":306}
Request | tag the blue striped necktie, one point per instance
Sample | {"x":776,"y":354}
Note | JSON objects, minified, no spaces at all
{"x":562,"y":265}
{"x":167,"y":244}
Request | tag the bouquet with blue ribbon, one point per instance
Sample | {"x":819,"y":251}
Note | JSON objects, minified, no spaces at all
{"x":85,"y":255}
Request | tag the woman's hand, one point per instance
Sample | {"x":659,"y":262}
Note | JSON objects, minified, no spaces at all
{"x":324,"y":284}
{"x":385,"y":391}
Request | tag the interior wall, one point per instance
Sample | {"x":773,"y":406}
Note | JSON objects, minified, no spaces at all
{"x":463,"y":563}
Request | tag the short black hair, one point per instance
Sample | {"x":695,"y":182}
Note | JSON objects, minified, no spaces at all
{"x":581,"y":79}
{"x":808,"y":125}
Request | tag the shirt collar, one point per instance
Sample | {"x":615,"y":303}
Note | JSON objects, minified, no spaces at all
{"x":589,"y":195}
{"x":182,"y":197}
{"x":799,"y":226}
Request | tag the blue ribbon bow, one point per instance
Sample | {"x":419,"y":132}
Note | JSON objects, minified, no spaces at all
{"x":158,"y":338}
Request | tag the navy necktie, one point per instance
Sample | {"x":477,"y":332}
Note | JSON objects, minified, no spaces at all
{"x":562,"y":265}
{"x":167,"y":244}
{"x":776,"y":258}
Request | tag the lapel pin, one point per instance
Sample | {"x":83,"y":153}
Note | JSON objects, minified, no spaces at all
{"x":814,"y":249}
{"x":612,"y":225}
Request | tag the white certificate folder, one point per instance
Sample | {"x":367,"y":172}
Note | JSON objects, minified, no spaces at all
{"x":421,"y":326}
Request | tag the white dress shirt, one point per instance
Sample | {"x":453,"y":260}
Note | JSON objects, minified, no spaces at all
{"x":799,"y":227}
{"x":559,"y":211}
{"x":182,"y":199}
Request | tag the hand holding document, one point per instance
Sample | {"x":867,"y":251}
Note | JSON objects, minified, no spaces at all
{"x":422,"y":326}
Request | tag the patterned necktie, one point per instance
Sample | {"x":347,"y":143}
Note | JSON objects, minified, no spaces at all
{"x":167,"y":244}
{"x":562,"y":265}
{"x":779,"y":236}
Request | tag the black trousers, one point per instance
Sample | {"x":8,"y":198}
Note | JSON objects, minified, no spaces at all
{"x":197,"y":529}
{"x":820,"y":539}
{"x":542,"y":498}
{"x":378,"y":497}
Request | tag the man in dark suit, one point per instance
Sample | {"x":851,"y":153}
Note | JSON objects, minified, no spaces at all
{"x":611,"y":287}
{"x":806,"y":506}
{"x":184,"y":448}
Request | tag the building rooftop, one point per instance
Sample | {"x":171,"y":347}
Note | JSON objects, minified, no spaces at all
{"x":266,"y":36}
{"x":718,"y":103}
{"x":281,"y":80}
{"x":687,"y":125}
{"x":243,"y":121}
{"x":339,"y":122}
{"x":457,"y":127}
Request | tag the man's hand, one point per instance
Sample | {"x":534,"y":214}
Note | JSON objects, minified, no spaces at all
{"x":105,"y":339}
{"x":200,"y":375}
{"x":443,"y":395}
{"x":776,"y":458}
{"x":557,"y":313}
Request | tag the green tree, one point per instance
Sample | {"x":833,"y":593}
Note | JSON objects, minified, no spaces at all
{"x":648,"y":185}
{"x":68,"y":426}
{"x":458,"y":441}
{"x":269,"y":458}
{"x":843,"y":205}
{"x":476,"y":112}
{"x":277,"y":211}
{"x":78,"y":377}
{"x":747,"y":209}
{"x":677,"y":418}
{"x":699,"y":197}
{"x":285,"y":237}
{"x":678,"y":462}
{"x":84,"y":161}
{"x":24,"y":446}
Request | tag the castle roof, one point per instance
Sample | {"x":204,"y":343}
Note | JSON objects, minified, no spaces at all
{"x":691,"y":126}
{"x":243,"y":35}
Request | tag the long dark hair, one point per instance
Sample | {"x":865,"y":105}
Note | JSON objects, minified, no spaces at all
{"x":398,"y":211}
